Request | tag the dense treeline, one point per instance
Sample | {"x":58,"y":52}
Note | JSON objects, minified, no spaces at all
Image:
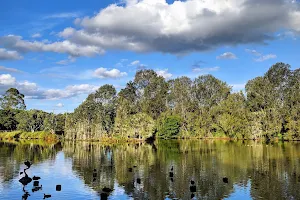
{"x":13,"y":116}
{"x":204,"y":107}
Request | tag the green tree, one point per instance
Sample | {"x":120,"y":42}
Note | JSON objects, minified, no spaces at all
{"x":152,"y":92}
{"x":12,"y":99}
{"x":168,"y":126}
{"x":31,"y":120}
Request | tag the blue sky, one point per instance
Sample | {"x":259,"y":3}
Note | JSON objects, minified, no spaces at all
{"x":56,"y":53}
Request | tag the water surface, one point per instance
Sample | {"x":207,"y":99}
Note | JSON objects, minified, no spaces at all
{"x":142,"y":171}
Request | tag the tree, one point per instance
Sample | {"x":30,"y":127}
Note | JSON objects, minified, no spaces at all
{"x":152,"y":92}
{"x":31,"y":120}
{"x":13,"y":99}
{"x":168,"y":126}
{"x":209,"y":91}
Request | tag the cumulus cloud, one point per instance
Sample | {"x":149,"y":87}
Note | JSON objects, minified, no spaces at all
{"x":7,"y":80}
{"x":202,"y":25}
{"x":259,"y":56}
{"x":18,"y":44}
{"x":206,"y":69}
{"x":227,"y":55}
{"x":36,"y":35}
{"x":105,"y":73}
{"x":164,"y":73}
{"x":12,"y":70}
{"x":9,"y":55}
{"x":156,"y":26}
{"x":59,"y":105}
{"x":33,"y":91}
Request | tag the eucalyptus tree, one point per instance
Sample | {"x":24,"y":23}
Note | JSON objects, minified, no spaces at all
{"x":152,"y":91}
{"x":12,"y":99}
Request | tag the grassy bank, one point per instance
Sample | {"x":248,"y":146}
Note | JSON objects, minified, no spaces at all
{"x":39,"y":135}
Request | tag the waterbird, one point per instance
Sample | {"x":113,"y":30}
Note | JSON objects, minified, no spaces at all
{"x":36,"y":178}
{"x":171,"y":174}
{"x":35,"y":183}
{"x":225,"y":180}
{"x":107,"y":190}
{"x":58,"y":187}
{"x":193,"y":186}
{"x":25,"y":180}
{"x":35,"y":189}
{"x":28,"y":164}
{"x":47,"y":196}
{"x":25,"y":196}
{"x":138,"y":180}
{"x":95,"y":173}
{"x":104,"y":196}
{"x":130,"y":169}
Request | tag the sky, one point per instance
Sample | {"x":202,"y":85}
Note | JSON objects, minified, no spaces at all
{"x":58,"y":52}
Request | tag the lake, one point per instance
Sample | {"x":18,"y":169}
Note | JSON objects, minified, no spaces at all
{"x":219,"y":170}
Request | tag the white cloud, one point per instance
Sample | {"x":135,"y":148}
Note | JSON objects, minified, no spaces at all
{"x":105,"y":73}
{"x":265,"y":57}
{"x":206,"y":69}
{"x":12,"y":70}
{"x":9,"y":55}
{"x":7,"y":80}
{"x":67,"y":32}
{"x":156,"y":26}
{"x":261,"y":57}
{"x":253,"y":52}
{"x":59,"y":105}
{"x":202,"y":25}
{"x":75,"y":50}
{"x":227,"y":55}
{"x":63,"y":15}
{"x":66,"y":61}
{"x":136,"y":62}
{"x":32,"y":91}
{"x":164,"y":73}
{"x":36,"y":35}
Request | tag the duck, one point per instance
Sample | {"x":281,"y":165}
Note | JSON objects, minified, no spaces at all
{"x":138,"y":180}
{"x":107,"y":190}
{"x":28,"y":164}
{"x":171,"y":173}
{"x":35,"y":178}
{"x":95,"y":173}
{"x":225,"y":180}
{"x":25,"y":180}
{"x":47,"y":196}
{"x":37,"y":188}
{"x":193,"y":186}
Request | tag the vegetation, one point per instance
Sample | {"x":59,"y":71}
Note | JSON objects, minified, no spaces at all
{"x":205,"y":107}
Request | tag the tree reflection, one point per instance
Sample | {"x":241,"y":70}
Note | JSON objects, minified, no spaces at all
{"x":165,"y":169}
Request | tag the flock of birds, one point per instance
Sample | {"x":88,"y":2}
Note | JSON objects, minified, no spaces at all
{"x":25,"y":180}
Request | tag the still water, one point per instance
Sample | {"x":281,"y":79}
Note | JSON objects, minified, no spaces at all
{"x":142,"y":171}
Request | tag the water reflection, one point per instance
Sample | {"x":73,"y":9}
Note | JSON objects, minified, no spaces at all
{"x":163,"y":170}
